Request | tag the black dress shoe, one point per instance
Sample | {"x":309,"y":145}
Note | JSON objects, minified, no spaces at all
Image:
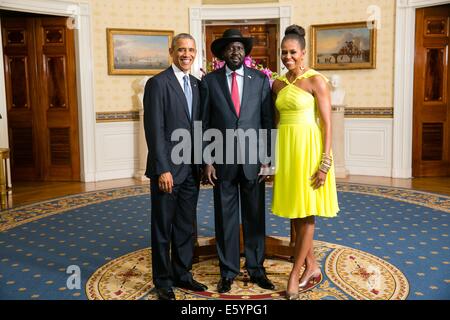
{"x":191,"y":285}
{"x":224,"y":285}
{"x":263,"y":282}
{"x":165,"y":294}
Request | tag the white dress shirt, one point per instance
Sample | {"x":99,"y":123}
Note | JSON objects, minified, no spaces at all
{"x":179,"y":75}
{"x":239,"y":79}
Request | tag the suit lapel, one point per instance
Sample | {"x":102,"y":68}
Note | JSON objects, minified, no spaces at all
{"x":195,"y":97}
{"x":173,"y":81}
{"x":223,"y":82}
{"x":246,"y":89}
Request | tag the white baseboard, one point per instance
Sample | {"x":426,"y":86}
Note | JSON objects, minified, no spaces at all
{"x":402,"y":173}
{"x":114,"y":174}
{"x":370,"y":171}
{"x":368,"y":146}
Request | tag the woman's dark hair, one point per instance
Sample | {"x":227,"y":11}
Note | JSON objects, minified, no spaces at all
{"x":297,"y":33}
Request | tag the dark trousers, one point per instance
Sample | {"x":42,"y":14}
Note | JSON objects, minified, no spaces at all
{"x":173,"y":218}
{"x":250,"y":194}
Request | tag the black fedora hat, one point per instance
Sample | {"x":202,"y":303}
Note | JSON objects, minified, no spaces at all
{"x":230,"y":35}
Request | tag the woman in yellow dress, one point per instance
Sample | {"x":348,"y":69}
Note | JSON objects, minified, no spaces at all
{"x":304,"y":182}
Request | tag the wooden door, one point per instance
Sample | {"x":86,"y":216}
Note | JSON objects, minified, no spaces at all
{"x":431,"y":124}
{"x":265,"y":46}
{"x":40,"y":81}
{"x":21,"y":97}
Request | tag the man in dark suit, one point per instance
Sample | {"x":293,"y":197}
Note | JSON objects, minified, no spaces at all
{"x":237,"y":97}
{"x":171,"y":102}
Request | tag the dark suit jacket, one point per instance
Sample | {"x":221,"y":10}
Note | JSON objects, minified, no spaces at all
{"x":165,"y":110}
{"x":256,"y":112}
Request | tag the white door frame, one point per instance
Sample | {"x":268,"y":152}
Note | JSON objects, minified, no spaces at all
{"x":197,"y":15}
{"x":405,"y":26}
{"x":84,"y":68}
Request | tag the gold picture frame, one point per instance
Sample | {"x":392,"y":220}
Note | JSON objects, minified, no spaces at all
{"x":343,"y":46}
{"x":138,"y":52}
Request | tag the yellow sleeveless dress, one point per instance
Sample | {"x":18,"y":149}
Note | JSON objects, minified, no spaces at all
{"x":299,"y":149}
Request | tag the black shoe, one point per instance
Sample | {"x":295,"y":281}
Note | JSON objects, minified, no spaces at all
{"x":191,"y":285}
{"x":165,"y":294}
{"x":224,"y":285}
{"x":263,"y":282}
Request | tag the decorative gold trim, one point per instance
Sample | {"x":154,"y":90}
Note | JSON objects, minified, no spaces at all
{"x":117,"y":116}
{"x":337,"y":108}
{"x":369,"y":113}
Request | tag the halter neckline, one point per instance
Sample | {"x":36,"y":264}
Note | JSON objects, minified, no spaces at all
{"x":284,"y":77}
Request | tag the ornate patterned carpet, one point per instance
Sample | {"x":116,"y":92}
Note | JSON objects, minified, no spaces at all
{"x":386,"y":243}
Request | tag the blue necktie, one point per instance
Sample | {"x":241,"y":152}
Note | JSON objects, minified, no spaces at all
{"x":188,"y":94}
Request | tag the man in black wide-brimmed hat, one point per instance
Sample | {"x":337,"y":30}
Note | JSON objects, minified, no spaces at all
{"x":236,"y":97}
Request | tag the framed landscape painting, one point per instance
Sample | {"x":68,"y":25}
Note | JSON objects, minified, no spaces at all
{"x":343,"y":46}
{"x":139,"y":52}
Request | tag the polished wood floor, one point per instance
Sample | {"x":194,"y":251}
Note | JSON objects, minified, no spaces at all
{"x":29,"y":192}
{"x":437,"y":185}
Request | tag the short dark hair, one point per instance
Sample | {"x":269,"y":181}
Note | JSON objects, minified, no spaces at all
{"x":181,"y":36}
